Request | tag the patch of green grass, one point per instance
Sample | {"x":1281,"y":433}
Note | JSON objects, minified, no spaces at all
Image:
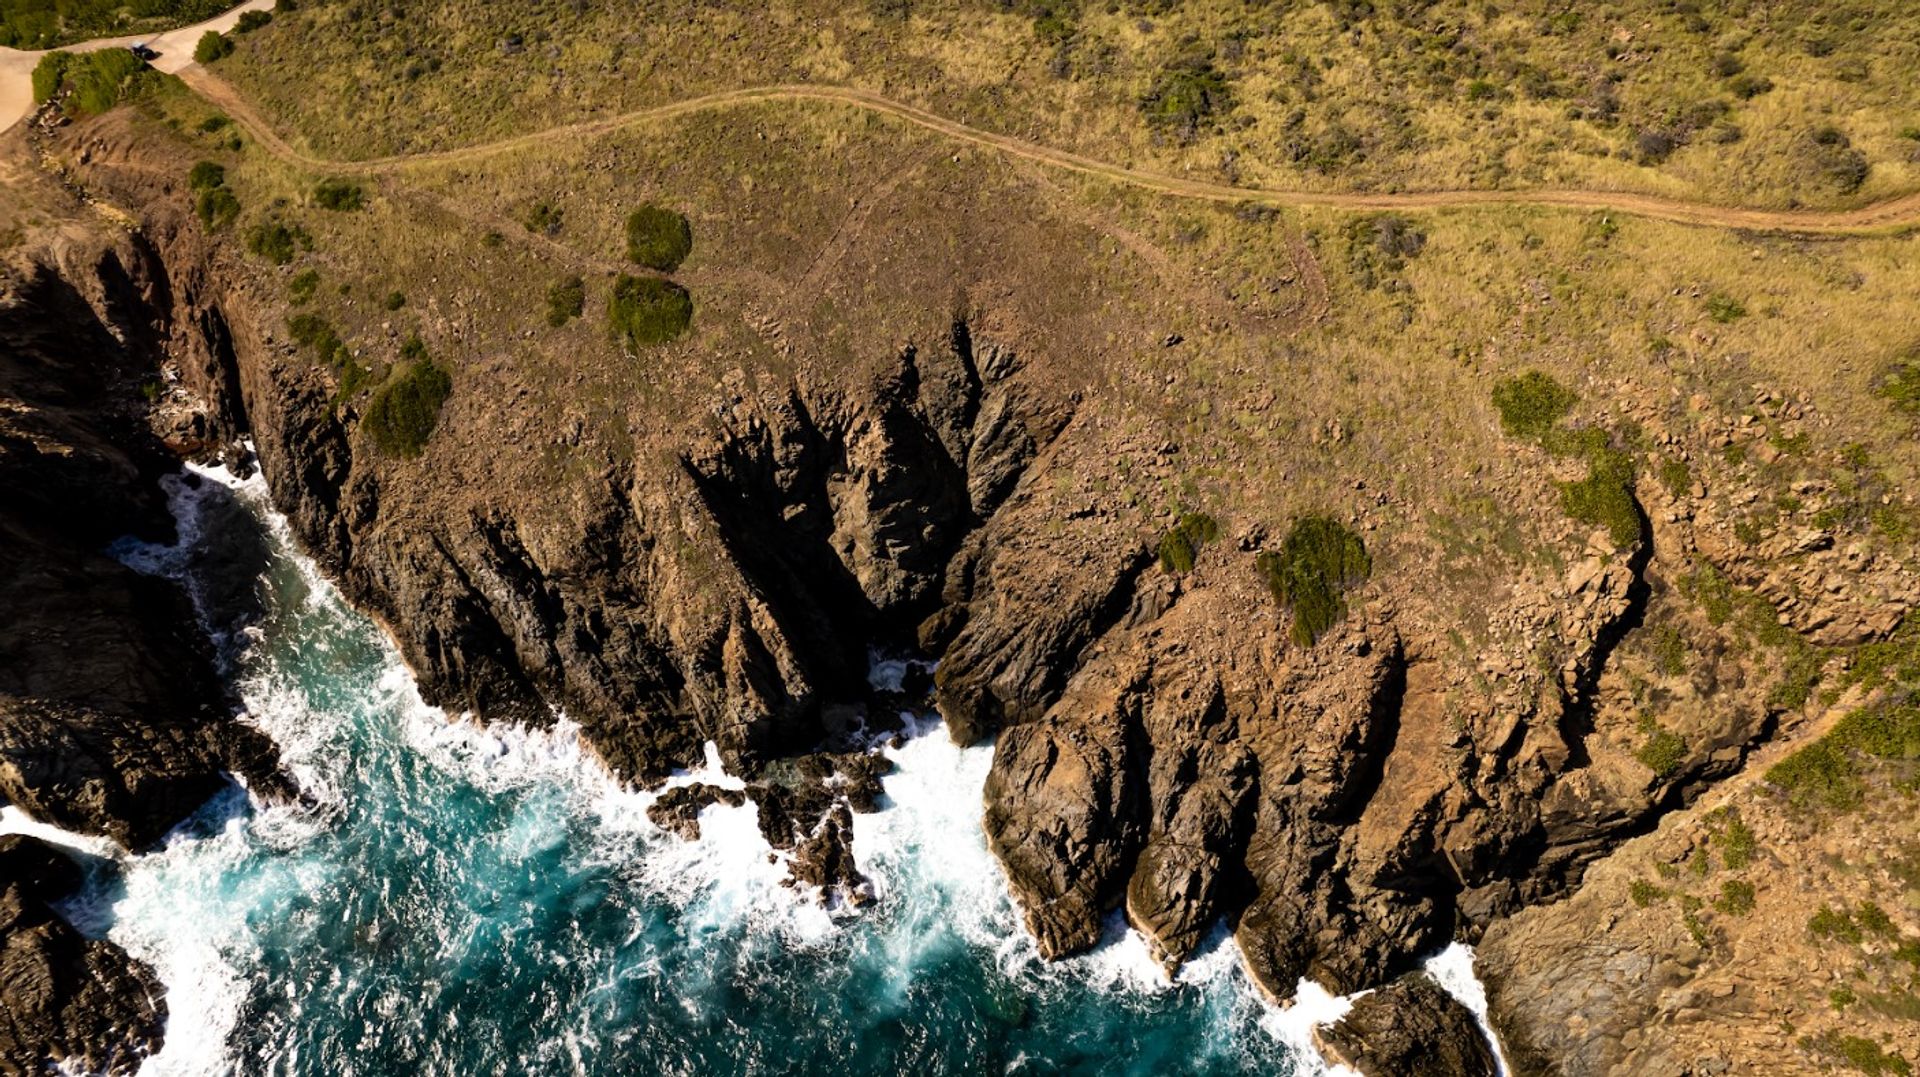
{"x":1663,"y":751}
{"x":1736,"y":897}
{"x":1605,"y":497}
{"x":314,"y":332}
{"x":1724,"y":308}
{"x":658,"y":238}
{"x":339,"y":195}
{"x":1669,"y":647}
{"x":1860,"y":1053}
{"x":1312,"y":571}
{"x":1644,"y":893}
{"x":217,"y":208}
{"x":1834,"y":925}
{"x":1900,"y":386}
{"x":403,"y":412}
{"x":1531,"y":403}
{"x":645,"y":311}
{"x":301,"y":288}
{"x":1182,"y":542}
{"x":566,"y":300}
{"x":1829,"y":773}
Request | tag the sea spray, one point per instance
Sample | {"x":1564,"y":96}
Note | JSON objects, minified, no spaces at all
{"x":459,"y":897}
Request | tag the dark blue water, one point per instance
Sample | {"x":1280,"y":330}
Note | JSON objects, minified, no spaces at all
{"x":460,"y":900}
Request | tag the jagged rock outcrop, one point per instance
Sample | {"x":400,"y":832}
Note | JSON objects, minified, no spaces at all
{"x":67,"y":998}
{"x":1409,"y":1028}
{"x":112,"y":718}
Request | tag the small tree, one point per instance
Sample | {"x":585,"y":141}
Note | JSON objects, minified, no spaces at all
{"x":213,"y":45}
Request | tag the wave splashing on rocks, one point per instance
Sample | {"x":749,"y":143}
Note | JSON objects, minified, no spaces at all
{"x":452,"y":896}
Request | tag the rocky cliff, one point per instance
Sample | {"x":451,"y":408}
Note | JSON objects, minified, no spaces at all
{"x":1166,"y":744}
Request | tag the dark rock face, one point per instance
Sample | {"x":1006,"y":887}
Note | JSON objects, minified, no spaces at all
{"x":67,"y":997}
{"x":1409,"y":1028}
{"x":112,"y":718}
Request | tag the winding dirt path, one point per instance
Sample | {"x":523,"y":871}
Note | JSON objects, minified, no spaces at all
{"x":1891,"y":215}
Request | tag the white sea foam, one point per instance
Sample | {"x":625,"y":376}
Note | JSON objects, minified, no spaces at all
{"x":1453,"y":968}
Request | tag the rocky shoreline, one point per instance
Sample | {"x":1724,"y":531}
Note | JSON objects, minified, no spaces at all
{"x":1164,"y":745}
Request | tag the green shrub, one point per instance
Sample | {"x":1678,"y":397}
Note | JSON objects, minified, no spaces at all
{"x":544,"y":218}
{"x":1531,"y":403}
{"x":1186,"y":95}
{"x":213,"y":123}
{"x":1669,"y":647}
{"x":394,"y":300}
{"x":206,"y":175}
{"x":658,"y":238}
{"x":217,"y":207}
{"x":405,"y":409}
{"x":213,"y":45}
{"x":1676,"y":476}
{"x":1737,"y":843}
{"x":1312,"y":572}
{"x":1736,"y":897}
{"x":1861,"y":1053}
{"x":251,"y":21}
{"x":339,"y":195}
{"x":648,"y":310}
{"x":565,"y":300}
{"x":301,"y":288}
{"x":277,"y":241}
{"x":49,"y":74}
{"x":1181,"y":544}
{"x":1724,"y":308}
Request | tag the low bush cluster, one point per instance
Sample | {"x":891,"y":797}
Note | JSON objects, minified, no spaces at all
{"x":1315,"y":567}
{"x":215,"y":204}
{"x":565,"y":300}
{"x":277,"y":241}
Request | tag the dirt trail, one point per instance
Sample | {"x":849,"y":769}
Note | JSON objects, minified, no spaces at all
{"x":1893,"y":214}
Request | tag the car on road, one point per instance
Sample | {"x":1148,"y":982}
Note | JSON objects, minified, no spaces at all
{"x":141,"y":49}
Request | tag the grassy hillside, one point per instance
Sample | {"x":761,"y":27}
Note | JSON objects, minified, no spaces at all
{"x":1790,"y":102}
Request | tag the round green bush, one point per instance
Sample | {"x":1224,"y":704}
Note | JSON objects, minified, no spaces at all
{"x":658,"y":238}
{"x":648,"y":310}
